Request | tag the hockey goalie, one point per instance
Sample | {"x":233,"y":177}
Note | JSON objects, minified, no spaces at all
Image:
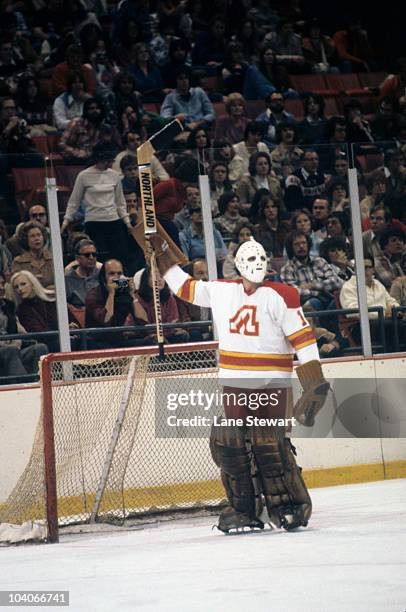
{"x":260,"y":327}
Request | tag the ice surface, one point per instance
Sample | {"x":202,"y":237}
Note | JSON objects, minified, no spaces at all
{"x":351,"y":558}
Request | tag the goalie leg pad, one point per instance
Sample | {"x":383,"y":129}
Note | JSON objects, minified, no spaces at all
{"x":230,"y":453}
{"x":286,"y":496}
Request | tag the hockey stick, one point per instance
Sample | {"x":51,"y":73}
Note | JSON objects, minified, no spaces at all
{"x":160,"y":140}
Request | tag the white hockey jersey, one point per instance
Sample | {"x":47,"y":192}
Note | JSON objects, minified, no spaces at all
{"x":258,"y":333}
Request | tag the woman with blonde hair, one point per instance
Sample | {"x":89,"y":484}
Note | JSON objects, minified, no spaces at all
{"x":232,"y":126}
{"x":36,"y":307}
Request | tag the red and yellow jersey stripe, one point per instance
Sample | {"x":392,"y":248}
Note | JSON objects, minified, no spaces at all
{"x":302,"y":338}
{"x":187,"y":290}
{"x":231,"y":360}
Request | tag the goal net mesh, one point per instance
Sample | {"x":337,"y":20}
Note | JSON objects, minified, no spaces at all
{"x":110,"y":464}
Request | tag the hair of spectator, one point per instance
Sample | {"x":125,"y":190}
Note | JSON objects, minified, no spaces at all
{"x":236,"y":234}
{"x":188,"y":171}
{"x":332,"y":125}
{"x":332,"y":244}
{"x":391,"y":154}
{"x":23,"y":84}
{"x":74,"y":77}
{"x":335,"y":183}
{"x":290,"y":238}
{"x":191,"y":141}
{"x":268,"y":97}
{"x":128,"y":161}
{"x":256,"y":202}
{"x":264,"y":203}
{"x":5,"y":99}
{"x":30,"y":225}
{"x":376,"y":176}
{"x":183,"y":70}
{"x":103,"y":152}
{"x":234,"y":98}
{"x":253,"y":127}
{"x":353,"y":104}
{"x":73,"y":239}
{"x":318,"y":99}
{"x":282,"y":23}
{"x":121,"y":76}
{"x":297,"y":213}
{"x":83,"y":243}
{"x":125,"y":136}
{"x":145,"y":291}
{"x":224,"y":201}
{"x":138,"y":48}
{"x":391,"y":232}
{"x":3,"y":231}
{"x":87,"y":103}
{"x":253,"y":162}
{"x":39,"y":291}
{"x":342,"y":218}
{"x":178,"y":43}
{"x":386,"y":211}
{"x":285,"y":125}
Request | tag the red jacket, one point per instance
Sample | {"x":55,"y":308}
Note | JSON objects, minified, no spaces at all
{"x":169,"y":198}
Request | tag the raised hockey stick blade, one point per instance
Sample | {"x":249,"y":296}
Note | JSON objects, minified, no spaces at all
{"x":161,"y":139}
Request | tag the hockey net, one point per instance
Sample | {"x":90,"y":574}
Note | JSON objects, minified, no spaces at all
{"x":96,"y":456}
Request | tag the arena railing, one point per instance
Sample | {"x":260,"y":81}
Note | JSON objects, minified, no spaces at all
{"x":83,"y":335}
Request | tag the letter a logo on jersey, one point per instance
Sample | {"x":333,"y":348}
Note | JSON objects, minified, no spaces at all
{"x":244,"y":321}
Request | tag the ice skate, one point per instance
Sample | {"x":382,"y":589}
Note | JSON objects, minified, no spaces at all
{"x":231,"y":521}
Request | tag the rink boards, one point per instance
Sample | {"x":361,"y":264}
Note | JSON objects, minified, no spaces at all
{"x":326,"y":460}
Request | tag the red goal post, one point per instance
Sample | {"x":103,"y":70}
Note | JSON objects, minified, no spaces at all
{"x":96,"y":456}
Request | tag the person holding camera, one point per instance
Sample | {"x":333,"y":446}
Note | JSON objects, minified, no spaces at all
{"x":114,"y":303}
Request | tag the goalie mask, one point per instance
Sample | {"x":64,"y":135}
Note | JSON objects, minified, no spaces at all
{"x":251,"y":262}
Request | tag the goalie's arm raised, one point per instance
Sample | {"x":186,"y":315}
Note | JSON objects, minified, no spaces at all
{"x":188,"y":289}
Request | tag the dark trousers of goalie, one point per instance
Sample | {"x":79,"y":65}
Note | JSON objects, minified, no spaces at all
{"x":259,"y":472}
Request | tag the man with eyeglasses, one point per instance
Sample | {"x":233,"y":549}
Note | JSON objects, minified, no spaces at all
{"x":303,"y":186}
{"x":83,"y":277}
{"x":381,"y":220}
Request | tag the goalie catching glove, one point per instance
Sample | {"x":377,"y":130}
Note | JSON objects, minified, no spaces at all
{"x":315,"y":389}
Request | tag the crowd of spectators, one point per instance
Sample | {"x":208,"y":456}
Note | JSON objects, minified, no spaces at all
{"x":93,"y":80}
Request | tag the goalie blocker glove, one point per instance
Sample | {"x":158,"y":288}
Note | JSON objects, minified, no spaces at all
{"x":315,"y":390}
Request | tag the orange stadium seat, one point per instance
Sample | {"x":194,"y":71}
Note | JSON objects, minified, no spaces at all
{"x":295,"y":107}
{"x":314,"y":83}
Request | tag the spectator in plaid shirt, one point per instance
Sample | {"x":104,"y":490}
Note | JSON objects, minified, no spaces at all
{"x":84,"y":132}
{"x":391,"y":263}
{"x":314,"y":278}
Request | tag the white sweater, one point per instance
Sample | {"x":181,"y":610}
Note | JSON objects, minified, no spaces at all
{"x":101,"y":194}
{"x":376,"y":296}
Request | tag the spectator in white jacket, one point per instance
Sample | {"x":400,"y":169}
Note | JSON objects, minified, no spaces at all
{"x":376,"y":296}
{"x":69,"y":104}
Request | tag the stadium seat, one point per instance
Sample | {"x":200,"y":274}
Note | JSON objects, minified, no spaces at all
{"x":296,"y":108}
{"x":41,"y":144}
{"x":332,"y":106}
{"x":346,"y":83}
{"x":255,"y":108}
{"x":66,"y":175}
{"x":372,"y":79}
{"x":314,"y":83}
{"x":370,"y":162}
